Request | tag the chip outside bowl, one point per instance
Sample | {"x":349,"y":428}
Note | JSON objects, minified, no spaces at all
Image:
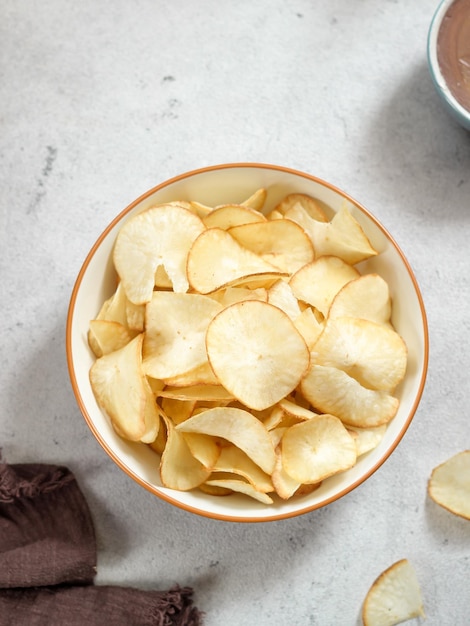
{"x":233,"y":183}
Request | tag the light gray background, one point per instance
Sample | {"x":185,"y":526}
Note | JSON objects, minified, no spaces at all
{"x":102,"y":100}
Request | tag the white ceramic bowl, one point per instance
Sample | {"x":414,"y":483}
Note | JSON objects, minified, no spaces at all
{"x":451,"y":103}
{"x":234,"y":183}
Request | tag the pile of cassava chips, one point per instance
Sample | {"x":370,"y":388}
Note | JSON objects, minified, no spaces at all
{"x":243,"y":344}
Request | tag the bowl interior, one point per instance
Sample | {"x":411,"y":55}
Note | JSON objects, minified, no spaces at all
{"x":234,"y":183}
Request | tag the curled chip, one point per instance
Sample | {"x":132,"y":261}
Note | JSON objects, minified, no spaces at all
{"x":372,"y":353}
{"x":240,"y":486}
{"x":233,"y":460}
{"x":331,"y":390}
{"x":122,"y":390}
{"x":449,"y":484}
{"x":282,"y":243}
{"x":238,"y":427}
{"x":217,"y":260}
{"x":247,"y":356}
{"x":394,"y":597}
{"x":179,"y":469}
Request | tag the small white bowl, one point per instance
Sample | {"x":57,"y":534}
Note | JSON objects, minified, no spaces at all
{"x":234,"y":183}
{"x":455,"y":107}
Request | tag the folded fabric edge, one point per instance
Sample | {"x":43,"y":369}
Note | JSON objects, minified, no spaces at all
{"x":30,"y":480}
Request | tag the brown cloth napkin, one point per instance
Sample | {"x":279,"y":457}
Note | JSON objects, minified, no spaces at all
{"x":48,"y":560}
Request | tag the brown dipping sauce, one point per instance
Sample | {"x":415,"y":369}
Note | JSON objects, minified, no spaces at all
{"x":453,"y":50}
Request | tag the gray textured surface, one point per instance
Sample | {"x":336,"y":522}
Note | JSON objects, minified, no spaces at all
{"x":101,"y":101}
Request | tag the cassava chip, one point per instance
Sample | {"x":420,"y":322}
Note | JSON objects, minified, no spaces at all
{"x":256,"y":352}
{"x":229,"y":215}
{"x":240,"y":428}
{"x":204,"y":448}
{"x":256,"y":200}
{"x":240,"y":486}
{"x":449,"y":484}
{"x":200,"y":375}
{"x":366,"y":439}
{"x":162,"y":280}
{"x":331,"y":390}
{"x":158,"y":236}
{"x":284,"y":485}
{"x":309,"y":327}
{"x":135,"y":315}
{"x":178,"y":410}
{"x":197,"y":392}
{"x":114,"y":308}
{"x":217,"y":260}
{"x":179,"y":469}
{"x":159,"y":443}
{"x":342,"y":236}
{"x":291,"y":408}
{"x":232,"y":459}
{"x":317,"y":448}
{"x":105,"y":337}
{"x":280,"y":295}
{"x":367,"y":296}
{"x":176,"y":325}
{"x":200,"y":209}
{"x":312,"y":206}
{"x":230,"y":295}
{"x":317,"y":283}
{"x":372,"y":353}
{"x":394,"y":597}
{"x":123,"y":392}
{"x":282,"y":243}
